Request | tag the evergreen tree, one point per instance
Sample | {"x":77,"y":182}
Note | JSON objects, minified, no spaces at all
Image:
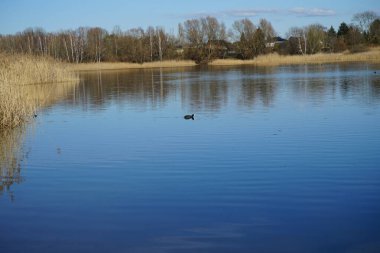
{"x":331,"y":33}
{"x":374,"y":32}
{"x":343,"y":29}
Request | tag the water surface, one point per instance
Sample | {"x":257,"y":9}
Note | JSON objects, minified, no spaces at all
{"x":283,"y":159}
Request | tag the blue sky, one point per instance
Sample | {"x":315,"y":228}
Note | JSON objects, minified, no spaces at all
{"x":16,"y":15}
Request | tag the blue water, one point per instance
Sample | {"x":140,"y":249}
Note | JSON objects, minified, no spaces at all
{"x":283,"y":159}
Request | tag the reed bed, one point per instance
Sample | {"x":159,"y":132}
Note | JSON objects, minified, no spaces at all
{"x":126,"y":65}
{"x":373,"y":55}
{"x":27,"y":83}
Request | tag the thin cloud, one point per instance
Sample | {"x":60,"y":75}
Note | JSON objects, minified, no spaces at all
{"x":237,"y":13}
{"x":250,"y":12}
{"x":313,"y":12}
{"x":196,"y":15}
{"x":246,"y":13}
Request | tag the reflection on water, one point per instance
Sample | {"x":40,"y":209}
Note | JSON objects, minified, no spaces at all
{"x":10,"y":159}
{"x":213,"y":89}
{"x":199,"y":89}
{"x":12,"y":140}
{"x":285,"y":154}
{"x":45,"y":95}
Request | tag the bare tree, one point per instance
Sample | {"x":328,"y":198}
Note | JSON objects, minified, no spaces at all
{"x":300,"y":35}
{"x":65,"y":47}
{"x":212,"y":29}
{"x":95,"y":38}
{"x":316,"y":35}
{"x":267,"y":29}
{"x":244,"y":33}
{"x":150,"y":32}
{"x":202,"y":38}
{"x":160,"y":34}
{"x":181,"y":34}
{"x":243,"y":27}
{"x":117,"y":33}
{"x":364,"y":20}
{"x":193,"y":32}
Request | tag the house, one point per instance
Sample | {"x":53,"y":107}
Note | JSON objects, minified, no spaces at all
{"x":275,"y":41}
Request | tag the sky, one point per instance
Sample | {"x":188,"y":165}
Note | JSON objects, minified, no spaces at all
{"x":54,"y":15}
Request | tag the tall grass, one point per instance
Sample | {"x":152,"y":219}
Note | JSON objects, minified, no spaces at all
{"x":373,"y":55}
{"x":128,"y":65}
{"x":26,"y":84}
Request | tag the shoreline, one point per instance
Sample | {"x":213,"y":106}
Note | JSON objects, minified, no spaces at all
{"x":126,"y":65}
{"x":268,"y":60}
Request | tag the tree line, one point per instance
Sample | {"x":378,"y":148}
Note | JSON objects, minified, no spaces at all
{"x":202,"y":40}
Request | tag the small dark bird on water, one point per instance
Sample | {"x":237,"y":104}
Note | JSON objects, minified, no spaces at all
{"x":189,"y":116}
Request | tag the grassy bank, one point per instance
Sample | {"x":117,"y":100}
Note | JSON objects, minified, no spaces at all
{"x":27,"y":83}
{"x":373,"y":55}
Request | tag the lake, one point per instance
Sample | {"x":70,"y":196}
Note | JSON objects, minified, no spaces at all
{"x":280,"y":159}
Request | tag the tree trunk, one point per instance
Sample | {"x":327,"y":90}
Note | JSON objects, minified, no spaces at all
{"x":67,"y":51}
{"x":72,"y":48}
{"x":159,"y":45}
{"x":151,"y":45}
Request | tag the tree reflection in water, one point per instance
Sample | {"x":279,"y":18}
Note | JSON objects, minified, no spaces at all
{"x":211,"y":91}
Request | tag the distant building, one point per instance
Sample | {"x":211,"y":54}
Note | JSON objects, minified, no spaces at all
{"x":276,"y":41}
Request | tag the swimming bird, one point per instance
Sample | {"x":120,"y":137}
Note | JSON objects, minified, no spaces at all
{"x":189,"y":116}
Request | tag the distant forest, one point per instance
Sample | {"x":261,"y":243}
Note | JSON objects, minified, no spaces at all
{"x":201,"y":40}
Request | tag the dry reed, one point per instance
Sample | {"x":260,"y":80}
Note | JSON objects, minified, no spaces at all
{"x":373,"y":55}
{"x":24,"y":85}
{"x":126,"y":65}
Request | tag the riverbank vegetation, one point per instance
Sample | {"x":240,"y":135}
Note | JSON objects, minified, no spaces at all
{"x":275,"y":59}
{"x":127,"y":65}
{"x":272,"y":59}
{"x":27,"y":83}
{"x":202,"y":40}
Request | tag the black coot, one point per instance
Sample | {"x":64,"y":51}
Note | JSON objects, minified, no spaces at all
{"x":189,"y":116}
